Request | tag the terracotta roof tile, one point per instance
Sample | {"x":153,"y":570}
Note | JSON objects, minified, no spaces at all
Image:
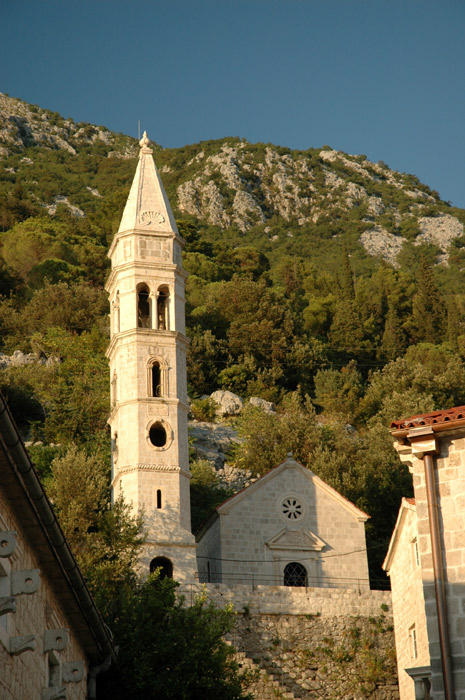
{"x":411,"y":501}
{"x":433,"y":418}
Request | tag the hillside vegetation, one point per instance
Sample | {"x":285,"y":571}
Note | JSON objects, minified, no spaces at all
{"x":318,"y":280}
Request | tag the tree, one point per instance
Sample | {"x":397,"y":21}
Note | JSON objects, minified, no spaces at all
{"x":105,"y":541}
{"x":168,"y":651}
{"x":428,"y":306}
{"x":339,"y":392}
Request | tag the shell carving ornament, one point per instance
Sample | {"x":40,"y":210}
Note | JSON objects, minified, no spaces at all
{"x":151,"y":217}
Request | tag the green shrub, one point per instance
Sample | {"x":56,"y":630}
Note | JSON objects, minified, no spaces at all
{"x":204,"y":410}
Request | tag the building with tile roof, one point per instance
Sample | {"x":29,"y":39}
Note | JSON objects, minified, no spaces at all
{"x":433,"y":446}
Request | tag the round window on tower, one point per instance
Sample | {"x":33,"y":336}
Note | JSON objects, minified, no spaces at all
{"x":159,"y":435}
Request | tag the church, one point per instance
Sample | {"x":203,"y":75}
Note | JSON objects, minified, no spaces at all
{"x":289,"y":528}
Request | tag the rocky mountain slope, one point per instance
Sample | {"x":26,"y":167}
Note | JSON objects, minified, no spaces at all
{"x":256,"y":190}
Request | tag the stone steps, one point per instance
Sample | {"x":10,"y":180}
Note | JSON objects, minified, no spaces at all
{"x":268,"y":685}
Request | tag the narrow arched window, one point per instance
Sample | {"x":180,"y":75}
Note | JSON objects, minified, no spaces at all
{"x":162,"y":308}
{"x":164,"y":565}
{"x":295,"y":574}
{"x":114,"y":382}
{"x":209,"y":576}
{"x":143,"y":308}
{"x":156,"y":379}
{"x":158,"y":498}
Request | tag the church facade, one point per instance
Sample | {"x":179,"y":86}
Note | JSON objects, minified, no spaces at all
{"x":288,"y":528}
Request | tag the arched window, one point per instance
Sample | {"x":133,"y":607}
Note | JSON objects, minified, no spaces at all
{"x":143,"y":307}
{"x":156,"y":379}
{"x":164,"y":564}
{"x":162,"y":308}
{"x":157,"y":435}
{"x":295,"y":574}
{"x":209,"y":575}
{"x":158,"y":498}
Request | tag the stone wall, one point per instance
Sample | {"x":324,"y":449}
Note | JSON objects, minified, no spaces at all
{"x":408,"y":602}
{"x":310,"y":657}
{"x":310,"y":643}
{"x":450,"y":485}
{"x":284,"y":600}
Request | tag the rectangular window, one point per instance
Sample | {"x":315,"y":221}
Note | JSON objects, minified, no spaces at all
{"x":413,"y":642}
{"x":415,"y":553}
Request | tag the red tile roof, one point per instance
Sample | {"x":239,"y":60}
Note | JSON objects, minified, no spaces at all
{"x":433,"y":418}
{"x":411,"y":501}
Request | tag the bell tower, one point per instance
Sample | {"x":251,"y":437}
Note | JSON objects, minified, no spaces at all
{"x":147,"y":354}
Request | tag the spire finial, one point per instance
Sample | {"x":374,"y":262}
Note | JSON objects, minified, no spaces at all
{"x":145,"y":141}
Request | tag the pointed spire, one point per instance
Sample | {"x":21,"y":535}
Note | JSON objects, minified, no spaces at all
{"x":147,"y":207}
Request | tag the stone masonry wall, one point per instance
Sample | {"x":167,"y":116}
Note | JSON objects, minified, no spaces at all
{"x":408,"y":601}
{"x":284,"y":600}
{"x":25,"y":675}
{"x":450,"y":484}
{"x":310,"y":657}
{"x":311,"y":643}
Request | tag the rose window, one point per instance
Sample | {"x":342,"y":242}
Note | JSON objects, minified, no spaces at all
{"x":292,"y":508}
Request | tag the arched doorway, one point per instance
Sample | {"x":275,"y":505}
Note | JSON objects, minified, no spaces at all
{"x":164,"y":564}
{"x":295,"y":574}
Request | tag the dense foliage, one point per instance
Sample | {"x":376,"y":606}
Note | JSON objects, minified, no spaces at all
{"x":171,"y":651}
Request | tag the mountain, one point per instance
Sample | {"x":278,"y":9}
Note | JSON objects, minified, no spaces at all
{"x":260,"y":193}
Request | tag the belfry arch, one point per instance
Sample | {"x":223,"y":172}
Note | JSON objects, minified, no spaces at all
{"x":143,"y":306}
{"x":163,"y":308}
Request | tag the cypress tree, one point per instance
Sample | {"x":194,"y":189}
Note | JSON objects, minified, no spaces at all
{"x":428,"y":306}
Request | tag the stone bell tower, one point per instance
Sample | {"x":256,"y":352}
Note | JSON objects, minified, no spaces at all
{"x":147,"y":354}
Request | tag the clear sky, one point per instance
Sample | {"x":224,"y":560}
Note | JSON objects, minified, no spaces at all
{"x":381,"y":77}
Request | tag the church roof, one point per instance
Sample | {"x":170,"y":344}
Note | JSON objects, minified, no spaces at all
{"x":288,"y":463}
{"x":147,"y":207}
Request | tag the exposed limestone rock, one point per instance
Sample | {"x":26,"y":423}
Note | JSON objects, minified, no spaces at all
{"x":229,"y":404}
{"x":440,"y":230}
{"x":380,"y":243}
{"x":23,"y":125}
{"x":246,"y":207}
{"x":59,"y":199}
{"x":94,"y":191}
{"x":235,"y":478}
{"x":261,"y":403}
{"x":375,"y":206}
{"x":212,"y":441}
{"x":19,"y":359}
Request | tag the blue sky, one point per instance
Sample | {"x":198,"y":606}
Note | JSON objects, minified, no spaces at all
{"x":381,"y":77}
